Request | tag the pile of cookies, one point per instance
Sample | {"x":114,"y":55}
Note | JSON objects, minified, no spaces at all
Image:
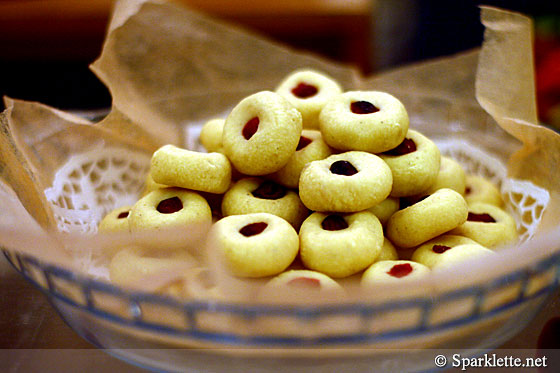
{"x":309,"y":184}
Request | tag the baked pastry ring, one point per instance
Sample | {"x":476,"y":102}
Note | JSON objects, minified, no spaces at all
{"x":388,"y":251}
{"x":204,"y":172}
{"x":346,"y":182}
{"x":384,"y":209}
{"x":415,"y":164}
{"x":211,"y":135}
{"x":311,"y":147}
{"x":252,"y":195}
{"x":115,"y":221}
{"x":488,"y":225}
{"x":261,"y":133}
{"x":303,"y":279}
{"x":308,"y":91}
{"x":458,"y":254}
{"x":436,"y":214}
{"x":340,"y":245}
{"x":430,"y":252}
{"x":369,"y":121}
{"x":254,"y":245}
{"x":391,"y":271}
{"x":479,"y":189}
{"x":451,"y":175}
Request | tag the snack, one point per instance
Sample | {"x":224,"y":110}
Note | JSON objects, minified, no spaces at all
{"x":346,"y":182}
{"x":211,"y":135}
{"x":116,"y":220}
{"x":388,"y":251}
{"x":451,"y":175}
{"x":302,"y":279}
{"x":385,"y":209}
{"x":478,"y":189}
{"x":369,"y":121}
{"x":261,"y":133}
{"x":393,"y":271}
{"x":459,"y":254}
{"x":431,"y":252}
{"x":340,"y":245}
{"x":308,"y":91}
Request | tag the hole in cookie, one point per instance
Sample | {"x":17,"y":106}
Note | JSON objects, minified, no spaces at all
{"x":303,"y":142}
{"x":405,"y":147}
{"x":305,"y":282}
{"x":334,"y":223}
{"x":250,"y":128}
{"x":483,"y":218}
{"x":253,"y":229}
{"x":304,"y":90}
{"x":400,"y":270}
{"x":170,"y":205}
{"x":269,"y":190}
{"x":440,"y":249}
{"x":363,"y":107}
{"x":344,"y":168}
{"x":123,"y":215}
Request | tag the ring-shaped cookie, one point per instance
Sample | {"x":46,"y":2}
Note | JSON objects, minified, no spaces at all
{"x":204,"y":172}
{"x":384,"y":209}
{"x":308,"y":91}
{"x":311,"y":147}
{"x":254,"y":245}
{"x":430,"y":253}
{"x":346,"y":182}
{"x":392,"y":271}
{"x":488,"y":225}
{"x":388,"y":252}
{"x":364,"y":120}
{"x":115,"y":221}
{"x":340,"y":245}
{"x":415,"y":164}
{"x":479,"y":189}
{"x":303,"y":279}
{"x":211,"y":135}
{"x":180,"y":214}
{"x":451,"y":175}
{"x":436,"y":214}
{"x":253,"y":194}
{"x":261,"y":133}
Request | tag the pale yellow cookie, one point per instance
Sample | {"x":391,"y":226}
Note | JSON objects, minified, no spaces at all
{"x":431,"y":252}
{"x":116,"y":220}
{"x":392,"y":271}
{"x":451,"y":175}
{"x":295,"y":280}
{"x":460,"y":254}
{"x":479,"y":189}
{"x":211,"y":135}
{"x":388,"y":252}
{"x":384,"y":209}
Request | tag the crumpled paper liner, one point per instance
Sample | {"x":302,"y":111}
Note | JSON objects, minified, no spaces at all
{"x":167,"y":66}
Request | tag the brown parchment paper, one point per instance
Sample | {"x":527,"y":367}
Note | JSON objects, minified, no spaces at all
{"x":167,"y":66}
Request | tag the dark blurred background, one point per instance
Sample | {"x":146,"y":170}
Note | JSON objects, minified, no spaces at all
{"x":47,"y":45}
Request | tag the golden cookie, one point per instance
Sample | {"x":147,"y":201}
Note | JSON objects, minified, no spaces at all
{"x":390,"y":271}
{"x":460,"y":254}
{"x":479,"y":189}
{"x":384,"y":209}
{"x":116,"y":220}
{"x":346,"y":182}
{"x":302,"y":279}
{"x":431,"y":252}
{"x":388,"y":252}
{"x":211,"y":135}
{"x":451,"y":175}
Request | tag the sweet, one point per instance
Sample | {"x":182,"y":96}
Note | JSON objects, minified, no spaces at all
{"x":115,"y":221}
{"x":211,"y":135}
{"x":261,"y":133}
{"x":346,"y":182}
{"x":479,"y":189}
{"x":301,"y":279}
{"x":311,"y":147}
{"x":254,"y":245}
{"x":391,"y":271}
{"x":415,"y":165}
{"x":251,"y":195}
{"x":205,"y":172}
{"x":340,"y":245}
{"x":384,"y":209}
{"x":431,"y":252}
{"x":451,"y":175}
{"x":460,"y":254}
{"x":388,"y":252}
{"x":488,"y":225}
{"x":308,"y":91}
{"x":438,"y":213}
{"x":369,"y":121}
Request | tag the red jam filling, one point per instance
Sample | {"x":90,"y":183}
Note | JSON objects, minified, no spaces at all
{"x":250,"y":128}
{"x":440,"y":249}
{"x":303,"y":142}
{"x":304,"y":90}
{"x":269,"y":190}
{"x":400,"y":270}
{"x":483,"y":218}
{"x":170,"y":205}
{"x":253,"y":229}
{"x":334,"y":223}
{"x":123,"y":215}
{"x":305,"y":282}
{"x":344,"y":168}
{"x":405,"y":147}
{"x":363,"y":107}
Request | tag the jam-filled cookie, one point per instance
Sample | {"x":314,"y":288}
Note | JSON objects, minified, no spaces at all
{"x":251,"y":195}
{"x":385,"y":209}
{"x":116,"y":220}
{"x":364,"y":120}
{"x":180,"y":213}
{"x":346,"y":182}
{"x":211,"y":135}
{"x":451,"y":175}
{"x":460,"y":254}
{"x":431,"y":252}
{"x":415,"y":164}
{"x":340,"y":245}
{"x":308,"y":91}
{"x":479,"y":189}
{"x":254,"y":245}
{"x":261,"y":133}
{"x":488,"y":225}
{"x":302,"y":279}
{"x":436,"y":214}
{"x":311,"y":147}
{"x":204,"y":172}
{"x":390,"y":271}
